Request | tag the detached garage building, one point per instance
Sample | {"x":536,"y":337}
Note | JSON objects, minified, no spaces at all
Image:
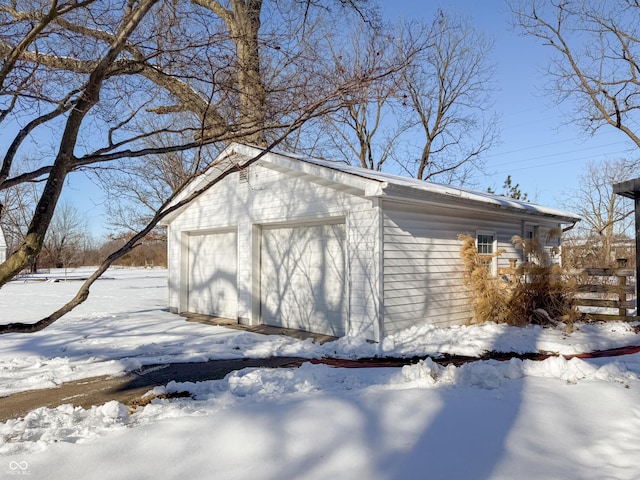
{"x":315,"y":245}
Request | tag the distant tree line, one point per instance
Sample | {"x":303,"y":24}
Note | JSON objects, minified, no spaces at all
{"x":69,"y":243}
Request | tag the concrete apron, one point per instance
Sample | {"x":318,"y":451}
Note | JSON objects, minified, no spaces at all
{"x":133,"y":385}
{"x":262,"y":328}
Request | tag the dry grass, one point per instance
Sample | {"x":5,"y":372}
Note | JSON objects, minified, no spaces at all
{"x":141,"y":402}
{"x":537,"y":291}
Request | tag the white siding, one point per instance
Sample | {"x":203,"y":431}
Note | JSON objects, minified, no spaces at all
{"x":422,"y":265}
{"x":422,"y":270}
{"x":270,"y":198}
{"x":364,"y":228}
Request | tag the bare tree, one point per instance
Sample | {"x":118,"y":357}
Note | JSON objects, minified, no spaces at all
{"x":66,"y":236}
{"x":65,"y":239}
{"x":242,"y":20}
{"x":18,"y":204}
{"x":436,"y":108}
{"x":136,"y":187}
{"x":366,"y":129}
{"x":605,"y":216}
{"x":204,"y":79}
{"x":87,"y":97}
{"x":448,"y":87}
{"x":595,"y":60}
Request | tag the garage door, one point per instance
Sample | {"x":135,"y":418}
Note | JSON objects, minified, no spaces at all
{"x":213,"y":274}
{"x":303,"y":282}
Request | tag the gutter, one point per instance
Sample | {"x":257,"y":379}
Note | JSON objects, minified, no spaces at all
{"x":462,"y":200}
{"x":570,"y":227}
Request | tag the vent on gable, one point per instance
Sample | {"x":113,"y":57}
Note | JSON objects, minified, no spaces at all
{"x":243,"y":177}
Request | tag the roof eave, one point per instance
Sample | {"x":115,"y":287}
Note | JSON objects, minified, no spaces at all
{"x":629,"y":188}
{"x":391,"y":191}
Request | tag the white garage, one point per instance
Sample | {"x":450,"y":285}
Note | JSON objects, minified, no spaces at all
{"x":304,"y":243}
{"x":213,"y":274}
{"x":303,"y":277}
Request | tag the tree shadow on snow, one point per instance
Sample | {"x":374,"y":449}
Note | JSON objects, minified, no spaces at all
{"x":468,"y":436}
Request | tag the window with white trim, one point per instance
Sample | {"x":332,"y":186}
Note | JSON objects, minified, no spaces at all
{"x":485,"y":243}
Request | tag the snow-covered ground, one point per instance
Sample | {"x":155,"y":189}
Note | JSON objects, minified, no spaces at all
{"x":556,"y":418}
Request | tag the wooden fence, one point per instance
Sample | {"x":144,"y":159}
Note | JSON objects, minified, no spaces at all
{"x":612,"y":289}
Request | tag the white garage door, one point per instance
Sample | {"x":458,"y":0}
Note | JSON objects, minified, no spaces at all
{"x":213,"y":274}
{"x":303,"y":281}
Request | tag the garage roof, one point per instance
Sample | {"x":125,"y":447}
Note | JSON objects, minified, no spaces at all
{"x":372,"y":183}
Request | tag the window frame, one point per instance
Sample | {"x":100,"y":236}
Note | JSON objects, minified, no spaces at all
{"x":493,"y":263}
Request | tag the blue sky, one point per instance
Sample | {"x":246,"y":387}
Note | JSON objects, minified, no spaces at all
{"x":538,"y":148}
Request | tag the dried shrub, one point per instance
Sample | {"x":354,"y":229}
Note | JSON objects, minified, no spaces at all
{"x":536,"y":292}
{"x":490,"y":297}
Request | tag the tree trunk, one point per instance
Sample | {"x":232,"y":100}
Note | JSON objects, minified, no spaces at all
{"x":244,"y":25}
{"x":32,"y":244}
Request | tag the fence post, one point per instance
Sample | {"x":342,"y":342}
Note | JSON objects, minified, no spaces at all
{"x":622,"y":282}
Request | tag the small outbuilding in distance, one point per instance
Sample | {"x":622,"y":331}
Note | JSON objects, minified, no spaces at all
{"x":325,"y":247}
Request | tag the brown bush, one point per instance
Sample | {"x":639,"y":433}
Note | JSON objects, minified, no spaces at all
{"x":536,"y":292}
